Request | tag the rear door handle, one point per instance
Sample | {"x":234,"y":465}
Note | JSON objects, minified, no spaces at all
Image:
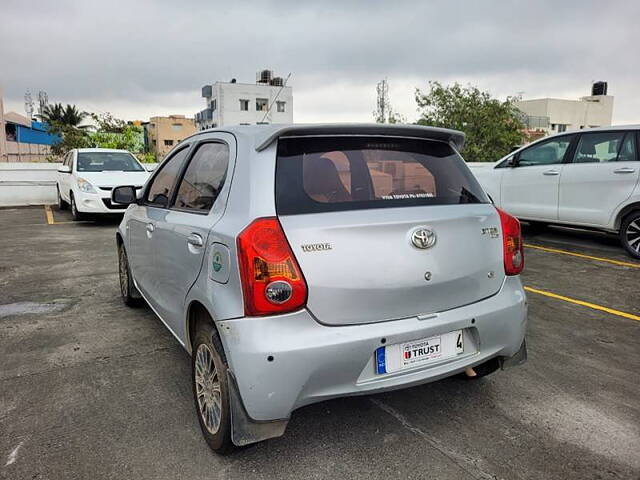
{"x":195,"y":240}
{"x":551,"y":172}
{"x":624,"y":170}
{"x":150,"y":227}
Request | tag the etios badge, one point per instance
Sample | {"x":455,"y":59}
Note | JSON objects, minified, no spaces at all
{"x":423,"y":238}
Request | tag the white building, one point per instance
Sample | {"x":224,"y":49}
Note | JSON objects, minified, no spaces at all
{"x":232,"y":103}
{"x":556,"y":115}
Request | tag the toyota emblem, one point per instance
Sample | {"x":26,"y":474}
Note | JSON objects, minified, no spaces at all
{"x":423,"y":238}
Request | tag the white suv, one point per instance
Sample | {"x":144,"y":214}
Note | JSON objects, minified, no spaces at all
{"x":587,"y":178}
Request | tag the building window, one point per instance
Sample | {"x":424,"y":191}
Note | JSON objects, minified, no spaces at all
{"x":244,"y":105}
{"x":176,"y":126}
{"x":214,"y":104}
{"x":562,"y":128}
{"x":168,"y":143}
{"x":281,"y":106}
{"x":10,"y":132}
{"x":262,"y":104}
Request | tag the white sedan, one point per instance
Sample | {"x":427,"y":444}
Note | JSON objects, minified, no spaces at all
{"x":88,"y":175}
{"x":588,"y":178}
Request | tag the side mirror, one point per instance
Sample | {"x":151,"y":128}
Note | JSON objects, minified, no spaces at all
{"x":512,"y":162}
{"x":150,"y":167}
{"x":124,"y":195}
{"x":64,"y":169}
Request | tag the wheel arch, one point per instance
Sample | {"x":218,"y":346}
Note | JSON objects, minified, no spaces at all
{"x":197,"y":312}
{"x":635,"y":206}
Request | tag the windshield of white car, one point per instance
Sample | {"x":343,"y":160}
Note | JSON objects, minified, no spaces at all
{"x":107,"y":161}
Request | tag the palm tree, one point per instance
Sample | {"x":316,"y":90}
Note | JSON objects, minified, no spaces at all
{"x":52,"y":114}
{"x":57,"y":115}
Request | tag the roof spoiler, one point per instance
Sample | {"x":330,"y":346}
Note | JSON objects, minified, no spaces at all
{"x":454,"y":137}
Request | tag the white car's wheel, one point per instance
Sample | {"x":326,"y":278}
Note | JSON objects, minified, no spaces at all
{"x":62,"y":205}
{"x":75,"y":214}
{"x":630,"y":234}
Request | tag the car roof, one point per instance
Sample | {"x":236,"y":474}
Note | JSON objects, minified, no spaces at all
{"x":265,"y":135}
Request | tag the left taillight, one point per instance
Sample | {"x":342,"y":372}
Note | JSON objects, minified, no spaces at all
{"x":513,"y":248}
{"x":272,"y":281}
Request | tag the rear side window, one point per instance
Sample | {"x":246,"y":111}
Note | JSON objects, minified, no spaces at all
{"x":605,"y":147}
{"x":204,"y":177}
{"x":324,"y":174}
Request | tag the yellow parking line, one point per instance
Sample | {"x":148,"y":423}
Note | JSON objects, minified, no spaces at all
{"x":49,"y":214}
{"x":589,"y":257}
{"x":584,"y":304}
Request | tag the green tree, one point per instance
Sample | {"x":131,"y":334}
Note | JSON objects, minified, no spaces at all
{"x":58,"y":116}
{"x":492,"y":127}
{"x":65,"y":121}
{"x":70,"y":137}
{"x":111,"y":132}
{"x":105,"y":122}
{"x":129,"y":138}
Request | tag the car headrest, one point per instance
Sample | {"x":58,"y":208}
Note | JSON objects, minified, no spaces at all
{"x":588,"y":149}
{"x":322,"y":181}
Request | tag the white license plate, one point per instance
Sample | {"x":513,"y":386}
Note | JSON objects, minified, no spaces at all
{"x":419,"y":352}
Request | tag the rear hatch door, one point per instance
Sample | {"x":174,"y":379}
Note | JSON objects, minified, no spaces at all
{"x":385,"y":229}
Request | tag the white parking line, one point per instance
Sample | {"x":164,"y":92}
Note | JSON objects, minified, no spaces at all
{"x":13,"y":456}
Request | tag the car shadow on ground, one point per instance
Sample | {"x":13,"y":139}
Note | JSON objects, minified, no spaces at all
{"x":570,"y":236}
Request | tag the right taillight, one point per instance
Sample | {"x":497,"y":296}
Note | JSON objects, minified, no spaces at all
{"x":271,"y":278}
{"x":511,"y":243}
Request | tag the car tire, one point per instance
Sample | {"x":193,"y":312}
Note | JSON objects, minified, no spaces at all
{"x":62,"y":205}
{"x":482,"y":370}
{"x":130,"y":295}
{"x":211,"y":388}
{"x":630,"y":234}
{"x":75,"y":214}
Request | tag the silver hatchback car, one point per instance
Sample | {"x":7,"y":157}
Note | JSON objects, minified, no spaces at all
{"x":299,"y":263}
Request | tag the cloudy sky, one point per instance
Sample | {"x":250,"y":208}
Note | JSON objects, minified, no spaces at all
{"x":141,"y":58}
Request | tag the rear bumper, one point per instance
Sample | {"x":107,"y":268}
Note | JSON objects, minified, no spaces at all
{"x":282,"y":363}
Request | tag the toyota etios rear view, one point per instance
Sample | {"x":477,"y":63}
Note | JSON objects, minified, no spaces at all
{"x":301,"y":263}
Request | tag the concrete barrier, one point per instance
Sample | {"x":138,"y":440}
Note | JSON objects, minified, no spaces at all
{"x":29,"y":183}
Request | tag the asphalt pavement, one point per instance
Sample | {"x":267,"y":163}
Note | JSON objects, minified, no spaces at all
{"x":92,"y":389}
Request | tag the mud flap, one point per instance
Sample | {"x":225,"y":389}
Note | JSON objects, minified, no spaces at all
{"x":245,"y":430}
{"x":518,"y":359}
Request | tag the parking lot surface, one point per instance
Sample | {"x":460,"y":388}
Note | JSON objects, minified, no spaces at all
{"x":92,"y":389}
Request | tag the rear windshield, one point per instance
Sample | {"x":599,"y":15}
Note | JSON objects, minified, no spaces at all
{"x":324,"y":174}
{"x":107,"y":161}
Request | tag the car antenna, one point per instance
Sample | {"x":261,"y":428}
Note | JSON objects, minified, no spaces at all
{"x":284,"y":84}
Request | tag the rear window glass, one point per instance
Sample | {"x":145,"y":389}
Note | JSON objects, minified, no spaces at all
{"x":107,"y":161}
{"x":324,"y":174}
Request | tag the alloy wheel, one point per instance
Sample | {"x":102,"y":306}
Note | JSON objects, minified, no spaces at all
{"x":633,"y":235}
{"x":124,"y":273}
{"x":208,"y":391}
